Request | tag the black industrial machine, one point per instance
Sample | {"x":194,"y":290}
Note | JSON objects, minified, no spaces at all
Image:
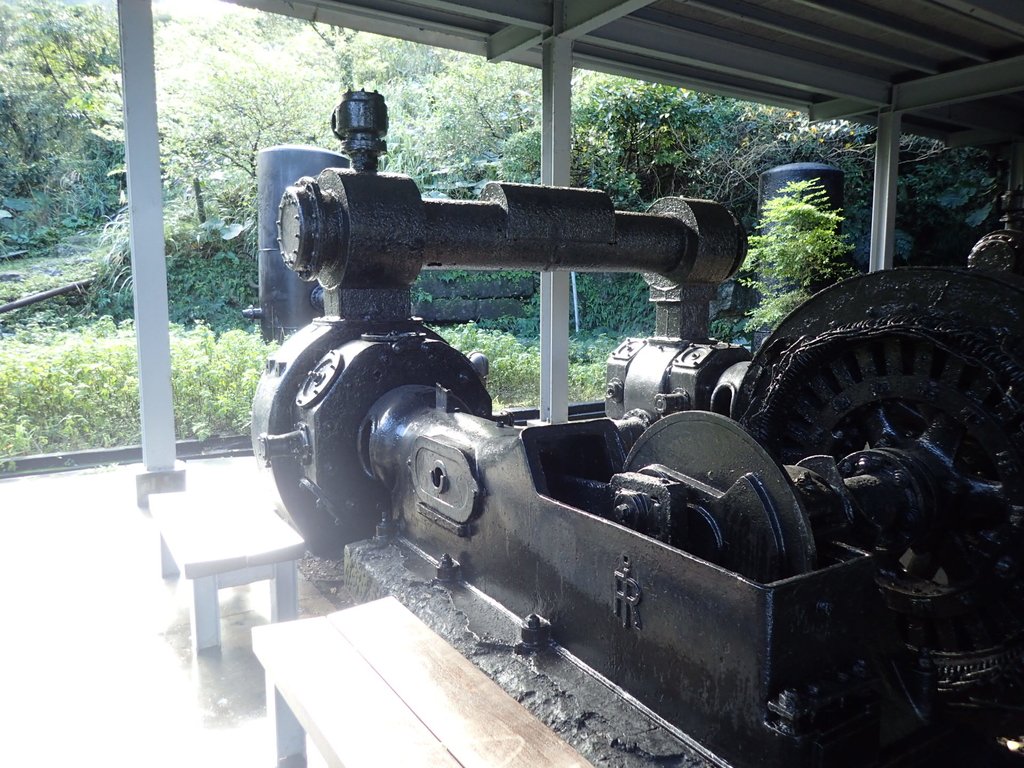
{"x":811,"y":558}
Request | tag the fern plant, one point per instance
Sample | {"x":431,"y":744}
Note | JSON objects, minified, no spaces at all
{"x":799,"y":250}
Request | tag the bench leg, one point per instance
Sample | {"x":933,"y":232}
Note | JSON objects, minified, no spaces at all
{"x":205,"y":614}
{"x":284,"y":592}
{"x":289,"y":736}
{"x":168,"y":568}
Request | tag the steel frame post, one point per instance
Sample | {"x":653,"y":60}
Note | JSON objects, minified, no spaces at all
{"x":1016,"y":175}
{"x":149,"y":270}
{"x":554,"y":286}
{"x":883,"y":205}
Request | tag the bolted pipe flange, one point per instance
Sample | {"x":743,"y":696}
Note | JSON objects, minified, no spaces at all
{"x":306,"y":228}
{"x":295,"y":444}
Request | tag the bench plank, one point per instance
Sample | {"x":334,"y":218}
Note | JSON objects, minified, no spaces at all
{"x":214,"y":535}
{"x":352,"y":716}
{"x":479,"y":723}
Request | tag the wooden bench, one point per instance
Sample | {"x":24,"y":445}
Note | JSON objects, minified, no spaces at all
{"x":373,"y":686}
{"x":225,"y":542}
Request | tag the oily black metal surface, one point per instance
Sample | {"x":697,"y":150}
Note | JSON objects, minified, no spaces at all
{"x":310,"y":407}
{"x":608,"y":729}
{"x":663,"y":375}
{"x":650,"y":617}
{"x":752,"y":513}
{"x":1003,"y":249}
{"x":735,"y":597}
{"x":927,"y":362}
{"x":353,"y":229}
{"x":360,"y":229}
{"x":361,"y":122}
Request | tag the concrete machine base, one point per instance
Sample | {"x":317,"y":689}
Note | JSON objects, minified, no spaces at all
{"x":594,"y":716}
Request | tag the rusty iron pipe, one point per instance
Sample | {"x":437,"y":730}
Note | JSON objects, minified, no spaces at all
{"x":43,"y":295}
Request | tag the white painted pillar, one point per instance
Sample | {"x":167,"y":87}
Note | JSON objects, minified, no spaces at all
{"x":145,"y":206}
{"x":883,"y":205}
{"x":556,"y":138}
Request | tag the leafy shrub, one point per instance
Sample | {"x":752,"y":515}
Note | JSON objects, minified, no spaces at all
{"x":614,"y":303}
{"x":799,"y":250}
{"x":211,"y":268}
{"x":515,"y":364}
{"x":65,"y":391}
{"x":59,"y":121}
{"x":62,"y":391}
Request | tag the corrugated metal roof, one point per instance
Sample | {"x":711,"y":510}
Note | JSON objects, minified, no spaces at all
{"x":954,"y":68}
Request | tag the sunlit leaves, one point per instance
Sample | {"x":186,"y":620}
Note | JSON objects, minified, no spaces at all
{"x":800,"y":249}
{"x":62,"y":390}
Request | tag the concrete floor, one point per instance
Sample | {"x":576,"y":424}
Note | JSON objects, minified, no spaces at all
{"x":94,"y":645}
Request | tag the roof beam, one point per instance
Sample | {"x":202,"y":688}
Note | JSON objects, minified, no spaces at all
{"x":535,"y":14}
{"x":1007,"y":15}
{"x":760,"y":18}
{"x":707,"y":53}
{"x":580,"y":17}
{"x":976,"y":138}
{"x":983,"y":116}
{"x":969,"y":84}
{"x":346,"y":14}
{"x":899,"y":25}
{"x":736,"y":37}
{"x":838,"y":109}
{"x":626,"y":65}
{"x":584,"y":16}
{"x":510,"y":41}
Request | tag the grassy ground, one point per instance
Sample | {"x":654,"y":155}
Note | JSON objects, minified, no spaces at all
{"x":72,"y":389}
{"x":75,"y":260}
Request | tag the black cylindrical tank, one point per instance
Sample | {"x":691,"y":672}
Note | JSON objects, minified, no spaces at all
{"x":286,"y":302}
{"x":774,"y":179}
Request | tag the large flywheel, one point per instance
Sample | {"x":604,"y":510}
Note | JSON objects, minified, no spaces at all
{"x":929,"y":363}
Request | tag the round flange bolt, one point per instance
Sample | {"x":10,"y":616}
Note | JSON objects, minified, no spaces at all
{"x":535,"y":631}
{"x":448,"y":568}
{"x":671,"y":402}
{"x":361,"y":122}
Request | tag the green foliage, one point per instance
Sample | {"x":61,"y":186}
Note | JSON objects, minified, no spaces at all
{"x":465,"y":122}
{"x":60,"y":116}
{"x":219,"y":105}
{"x":614,"y":303}
{"x":23,"y":277}
{"x":213,"y":379}
{"x":211,"y":275}
{"x":799,"y":250}
{"x":639,"y":141}
{"x":515,"y":363}
{"x":232,"y":84}
{"x":62,"y":390}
